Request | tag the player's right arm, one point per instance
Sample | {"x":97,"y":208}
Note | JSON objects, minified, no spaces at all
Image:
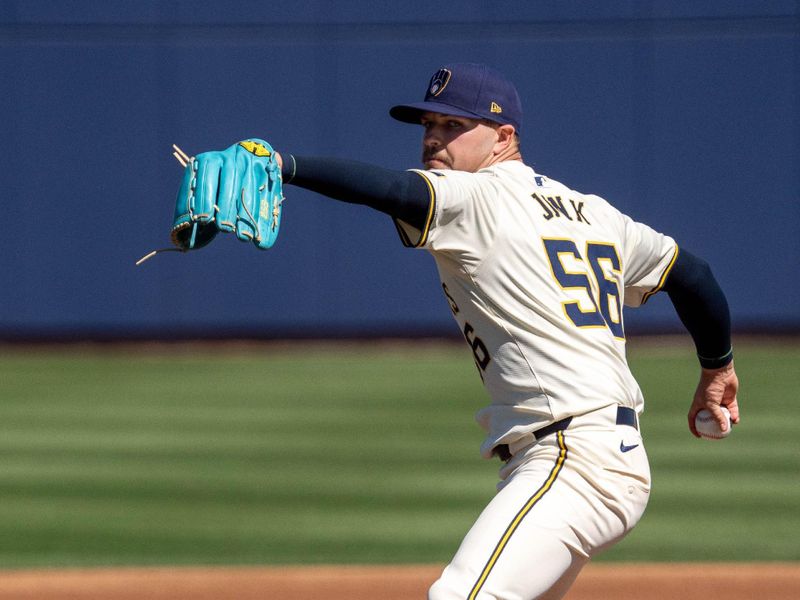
{"x":703,"y":309}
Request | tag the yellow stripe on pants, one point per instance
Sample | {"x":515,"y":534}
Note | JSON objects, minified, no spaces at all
{"x":562,"y":457}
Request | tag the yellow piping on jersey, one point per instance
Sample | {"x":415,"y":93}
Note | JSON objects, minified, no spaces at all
{"x":551,"y":478}
{"x":431,"y":209}
{"x":663,"y":279}
{"x":423,"y":236}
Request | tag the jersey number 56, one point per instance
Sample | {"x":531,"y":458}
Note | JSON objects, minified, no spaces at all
{"x":569,"y":269}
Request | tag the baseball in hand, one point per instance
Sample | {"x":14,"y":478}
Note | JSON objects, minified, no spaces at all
{"x":708,"y":427}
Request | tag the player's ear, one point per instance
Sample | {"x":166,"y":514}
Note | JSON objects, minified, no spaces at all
{"x":505,"y":136}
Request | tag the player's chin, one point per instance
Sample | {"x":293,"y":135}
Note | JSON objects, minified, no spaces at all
{"x":433,"y":163}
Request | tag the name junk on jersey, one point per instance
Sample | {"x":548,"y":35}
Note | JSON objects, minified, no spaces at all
{"x":554,"y":207}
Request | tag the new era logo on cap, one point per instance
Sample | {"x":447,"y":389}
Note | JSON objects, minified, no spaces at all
{"x":466,"y":90}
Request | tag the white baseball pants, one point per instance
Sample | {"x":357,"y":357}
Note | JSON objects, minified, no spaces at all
{"x":561,"y":500}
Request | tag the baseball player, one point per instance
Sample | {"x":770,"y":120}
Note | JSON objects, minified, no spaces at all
{"x":536,"y":275}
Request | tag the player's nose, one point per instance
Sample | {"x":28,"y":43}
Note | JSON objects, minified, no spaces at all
{"x":430,"y":139}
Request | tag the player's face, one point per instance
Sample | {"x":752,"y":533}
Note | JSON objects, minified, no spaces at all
{"x":457,"y":143}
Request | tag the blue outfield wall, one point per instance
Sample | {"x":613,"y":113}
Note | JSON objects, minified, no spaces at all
{"x":684,"y":114}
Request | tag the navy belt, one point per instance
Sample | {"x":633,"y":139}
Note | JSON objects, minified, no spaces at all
{"x":625,"y":416}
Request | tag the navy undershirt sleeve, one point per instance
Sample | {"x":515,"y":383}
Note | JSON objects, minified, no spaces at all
{"x":403,"y":195}
{"x":702,"y":308}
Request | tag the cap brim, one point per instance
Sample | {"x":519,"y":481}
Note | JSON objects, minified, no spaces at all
{"x":412,"y":113}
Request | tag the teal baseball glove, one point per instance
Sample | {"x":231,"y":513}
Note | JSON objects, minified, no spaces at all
{"x":237,"y":190}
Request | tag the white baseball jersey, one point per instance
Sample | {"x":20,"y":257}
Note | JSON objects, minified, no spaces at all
{"x":536,"y":274}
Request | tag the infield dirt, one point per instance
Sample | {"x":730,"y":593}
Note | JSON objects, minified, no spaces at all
{"x":610,"y":581}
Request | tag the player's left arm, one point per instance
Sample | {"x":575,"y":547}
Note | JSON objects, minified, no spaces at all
{"x":703,"y":309}
{"x":402,"y":195}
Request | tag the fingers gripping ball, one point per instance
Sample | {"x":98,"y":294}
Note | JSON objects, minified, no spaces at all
{"x":708,"y":427}
{"x":238,"y":190}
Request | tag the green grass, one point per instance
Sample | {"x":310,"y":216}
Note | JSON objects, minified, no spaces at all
{"x":353,"y":454}
{"x":736,"y":499}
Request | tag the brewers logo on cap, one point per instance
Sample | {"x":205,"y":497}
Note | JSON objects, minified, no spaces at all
{"x":439,"y":81}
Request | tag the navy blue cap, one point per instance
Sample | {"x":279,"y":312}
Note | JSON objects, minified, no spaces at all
{"x":466,"y":90}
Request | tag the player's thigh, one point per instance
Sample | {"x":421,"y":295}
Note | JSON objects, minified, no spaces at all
{"x":545,"y":576}
{"x":523,"y":545}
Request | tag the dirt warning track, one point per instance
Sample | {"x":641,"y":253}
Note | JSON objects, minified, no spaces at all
{"x":602,"y":581}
